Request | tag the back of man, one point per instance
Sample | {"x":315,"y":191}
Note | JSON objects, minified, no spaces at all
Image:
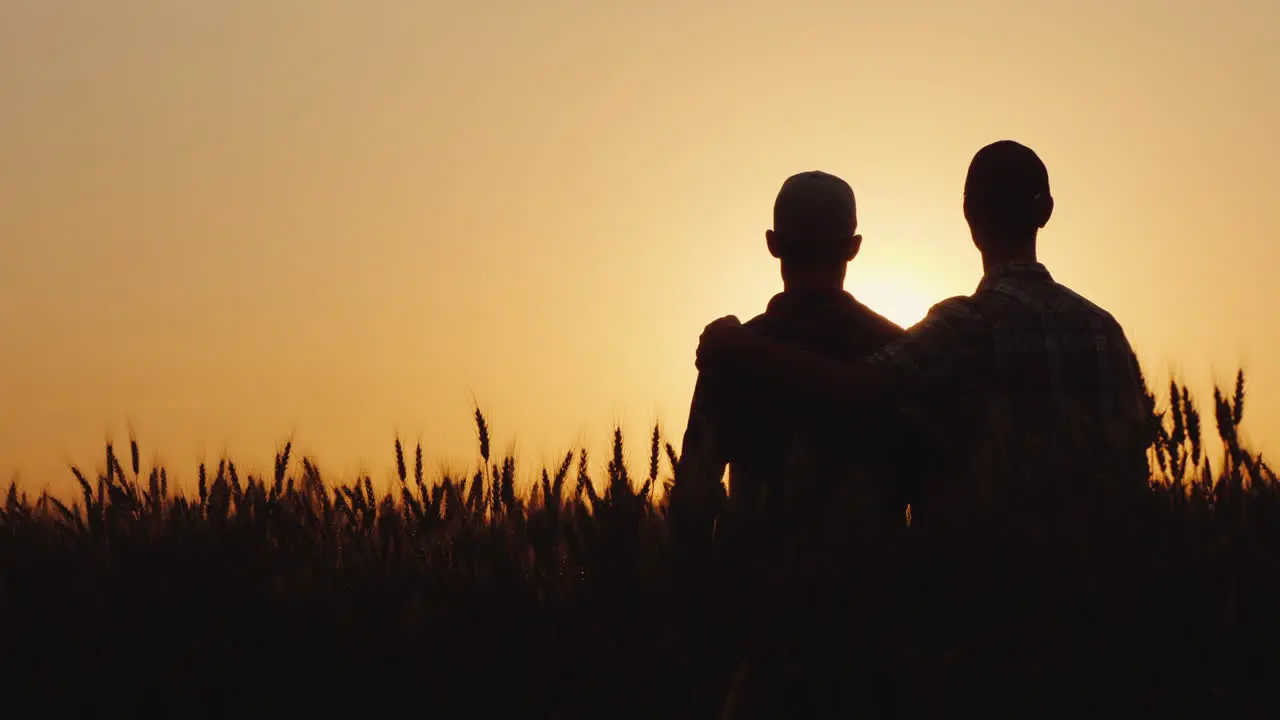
{"x":769,"y":435}
{"x":769,"y":441}
{"x":1024,"y":362}
{"x":1023,"y":350}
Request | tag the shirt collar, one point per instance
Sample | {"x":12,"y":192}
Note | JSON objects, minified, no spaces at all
{"x":1015,"y":270}
{"x":795,"y":299}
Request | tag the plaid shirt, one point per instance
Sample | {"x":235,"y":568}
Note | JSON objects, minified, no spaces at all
{"x":1022,"y":346}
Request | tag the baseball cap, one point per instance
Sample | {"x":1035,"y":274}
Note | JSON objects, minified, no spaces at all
{"x":814,"y":208}
{"x":1006,"y":175}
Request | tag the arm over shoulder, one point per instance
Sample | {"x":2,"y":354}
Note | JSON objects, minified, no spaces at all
{"x":698,"y":491}
{"x":934,"y":350}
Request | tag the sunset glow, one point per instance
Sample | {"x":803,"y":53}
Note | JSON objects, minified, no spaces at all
{"x":224,"y":223}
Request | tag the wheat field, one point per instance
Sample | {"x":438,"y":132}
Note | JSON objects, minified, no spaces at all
{"x":568,"y":597}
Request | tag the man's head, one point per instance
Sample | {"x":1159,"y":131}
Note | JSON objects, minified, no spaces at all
{"x":814,"y":233}
{"x":1006,"y":198}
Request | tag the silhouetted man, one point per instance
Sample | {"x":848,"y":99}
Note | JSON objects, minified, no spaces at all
{"x":754,"y":429}
{"x":1023,"y":350}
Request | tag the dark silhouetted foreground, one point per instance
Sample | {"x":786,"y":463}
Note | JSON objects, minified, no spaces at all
{"x":463,"y":598}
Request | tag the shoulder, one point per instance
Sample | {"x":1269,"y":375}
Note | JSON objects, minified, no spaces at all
{"x":958,"y":310}
{"x":877,"y":323}
{"x":758,"y":321}
{"x":1100,"y":317}
{"x":943,"y":337}
{"x":885,"y":329}
{"x":764,"y":323}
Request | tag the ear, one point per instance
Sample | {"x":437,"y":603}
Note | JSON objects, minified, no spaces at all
{"x":855,"y":244}
{"x":771,"y":238}
{"x":1045,"y":211}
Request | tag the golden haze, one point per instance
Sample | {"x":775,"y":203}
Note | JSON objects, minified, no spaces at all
{"x":226,"y":222}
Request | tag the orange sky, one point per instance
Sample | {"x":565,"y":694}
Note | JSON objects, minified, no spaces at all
{"x":224,"y":222}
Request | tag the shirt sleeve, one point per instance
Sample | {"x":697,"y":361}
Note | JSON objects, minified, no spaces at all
{"x":1137,"y":405}
{"x":934,"y":351}
{"x":698,"y":483}
{"x":922,"y":373}
{"x":698,"y":492}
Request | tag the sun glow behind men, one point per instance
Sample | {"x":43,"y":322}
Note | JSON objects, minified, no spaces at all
{"x":229,"y":221}
{"x":896,"y":298}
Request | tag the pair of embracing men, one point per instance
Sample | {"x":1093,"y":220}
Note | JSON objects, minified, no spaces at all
{"x":820,"y":390}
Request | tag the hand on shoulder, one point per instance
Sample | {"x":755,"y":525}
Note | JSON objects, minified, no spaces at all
{"x":718,"y":342}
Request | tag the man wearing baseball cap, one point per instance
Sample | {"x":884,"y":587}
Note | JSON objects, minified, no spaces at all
{"x":1023,"y":348}
{"x":751,"y":428}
